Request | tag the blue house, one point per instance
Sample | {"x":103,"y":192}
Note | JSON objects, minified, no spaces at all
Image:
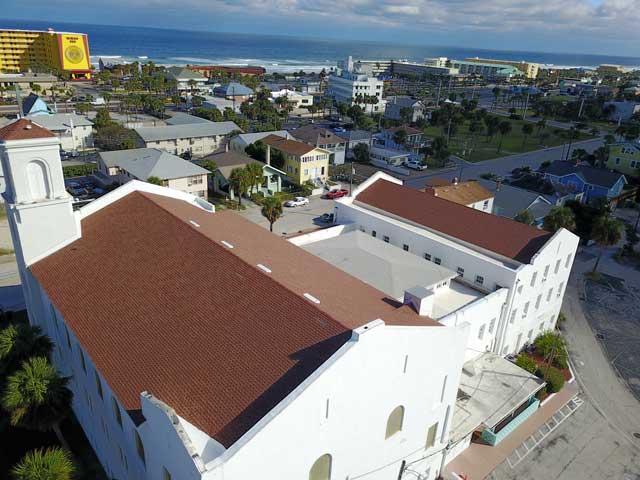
{"x":595,"y":183}
{"x":34,"y":105}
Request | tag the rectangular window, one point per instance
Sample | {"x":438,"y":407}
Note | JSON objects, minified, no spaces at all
{"x":431,"y":435}
{"x":538,"y":301}
{"x":386,"y":239}
{"x":444,"y":388}
{"x":559,"y":292}
{"x":374,"y":234}
{"x":405,"y":247}
{"x":549,"y":294}
{"x":512,"y":318}
{"x":568,"y":263}
{"x":546,"y":273}
{"x":82,"y":361}
{"x":461,"y":271}
{"x":427,"y":256}
{"x":165,"y":474}
{"x":533,"y":278}
{"x":437,"y":261}
{"x":492,"y":325}
{"x":98,"y":384}
{"x":479,"y":279}
{"x":530,"y":335}
{"x":66,"y":332}
{"x":116,"y":411}
{"x":557,"y":269}
{"x":139,"y":447}
{"x":526,"y":309}
{"x":481,"y":332}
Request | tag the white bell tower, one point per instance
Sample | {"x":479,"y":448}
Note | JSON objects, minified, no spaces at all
{"x":39,"y":209}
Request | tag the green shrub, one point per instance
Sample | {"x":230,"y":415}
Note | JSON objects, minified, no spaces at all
{"x":527,"y":363}
{"x":78,"y":170}
{"x":548,"y":342}
{"x":554,"y":379}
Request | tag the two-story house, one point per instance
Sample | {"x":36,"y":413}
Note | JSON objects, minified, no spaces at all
{"x":411,"y":141}
{"x":302,"y":162}
{"x":624,"y":157}
{"x":596,"y":183}
{"x":322,"y":138}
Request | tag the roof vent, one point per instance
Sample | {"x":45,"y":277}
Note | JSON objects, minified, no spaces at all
{"x":226,"y":244}
{"x":27,"y":126}
{"x":263,"y":268}
{"x":195,"y":224}
{"x":310,"y":297}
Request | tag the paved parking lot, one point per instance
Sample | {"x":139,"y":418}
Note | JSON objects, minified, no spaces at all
{"x":614,"y":315}
{"x":293,"y":220}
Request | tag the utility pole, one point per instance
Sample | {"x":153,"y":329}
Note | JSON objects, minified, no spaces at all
{"x":403,"y":467}
{"x":439,"y":89}
{"x":526,"y":105}
{"x":581,"y":106}
{"x":570,"y":142}
{"x":444,"y":458}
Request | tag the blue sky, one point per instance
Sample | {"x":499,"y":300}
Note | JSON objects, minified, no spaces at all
{"x":581,"y":26}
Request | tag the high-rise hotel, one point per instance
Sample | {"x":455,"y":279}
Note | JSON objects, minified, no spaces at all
{"x":41,"y":51}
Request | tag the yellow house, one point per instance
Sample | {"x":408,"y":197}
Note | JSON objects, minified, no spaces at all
{"x":302,"y":162}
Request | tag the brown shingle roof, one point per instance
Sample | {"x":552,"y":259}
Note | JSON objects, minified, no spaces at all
{"x":315,"y":135}
{"x":406,"y":128}
{"x":23,"y":130}
{"x":288,"y":146}
{"x":463,"y":193}
{"x":496,"y":234}
{"x":159,"y":304}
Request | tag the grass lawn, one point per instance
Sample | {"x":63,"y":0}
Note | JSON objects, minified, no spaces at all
{"x":513,"y":143}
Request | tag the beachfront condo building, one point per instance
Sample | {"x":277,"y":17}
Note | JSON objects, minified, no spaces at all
{"x":62,"y":53}
{"x":355,"y":84}
{"x":528,"y":68}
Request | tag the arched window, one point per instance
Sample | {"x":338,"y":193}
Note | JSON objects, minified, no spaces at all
{"x":321,"y":469}
{"x":38,"y":180}
{"x":394,"y":423}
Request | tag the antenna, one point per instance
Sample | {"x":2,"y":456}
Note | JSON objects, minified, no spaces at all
{"x":21,"y":115}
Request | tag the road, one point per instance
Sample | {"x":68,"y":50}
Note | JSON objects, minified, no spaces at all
{"x":501,"y":166}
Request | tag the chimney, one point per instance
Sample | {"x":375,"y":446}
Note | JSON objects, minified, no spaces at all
{"x":455,"y":180}
{"x":268,"y":156}
{"x":420,"y":299}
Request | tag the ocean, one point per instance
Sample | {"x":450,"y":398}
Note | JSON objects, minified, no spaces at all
{"x":279,"y":53}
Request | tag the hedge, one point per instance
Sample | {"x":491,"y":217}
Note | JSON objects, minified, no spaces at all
{"x":554,"y":379}
{"x":527,"y":363}
{"x":78,"y":170}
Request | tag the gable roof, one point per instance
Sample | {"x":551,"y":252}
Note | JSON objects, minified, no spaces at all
{"x":463,"y":193}
{"x":30,"y":102}
{"x":314,"y":135}
{"x":234,"y":89}
{"x":23,"y":129}
{"x":404,"y":102}
{"x":192,"y":130}
{"x":591,"y":175}
{"x":227,"y":161}
{"x":183,"y":73}
{"x":61,"y":121}
{"x":185,"y":119}
{"x":509,"y":201}
{"x":249,"y":138}
{"x":136,"y":291}
{"x":289,"y":146}
{"x":143,"y":163}
{"x":406,"y":128}
{"x":496,"y":234}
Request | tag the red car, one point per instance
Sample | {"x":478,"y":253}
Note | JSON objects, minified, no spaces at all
{"x":337,"y":193}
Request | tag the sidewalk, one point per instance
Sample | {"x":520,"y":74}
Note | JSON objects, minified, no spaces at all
{"x":479,"y":460}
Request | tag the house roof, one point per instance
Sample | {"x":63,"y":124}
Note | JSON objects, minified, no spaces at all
{"x":160,"y":304}
{"x":591,"y":175}
{"x":234,"y":89}
{"x":227,"y":161}
{"x":289,"y":146}
{"x":61,"y":121}
{"x":193,"y":130}
{"x":143,"y":163}
{"x":182,"y":73}
{"x":509,"y":201}
{"x":29,"y":102}
{"x":249,"y":138}
{"x":490,"y":232}
{"x":355,"y":135}
{"x":463,"y":193}
{"x":314,"y":135}
{"x":403,"y":102}
{"x":406,"y":128}
{"x":185,"y":119}
{"x":23,"y":129}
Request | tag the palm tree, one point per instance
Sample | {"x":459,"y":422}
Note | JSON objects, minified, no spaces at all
{"x":606,"y":231}
{"x":526,"y":217}
{"x":560,"y":217}
{"x":271,"y":210}
{"x":20,"y":342}
{"x":527,"y":129}
{"x":542,"y":123}
{"x":504,"y":128}
{"x":51,"y":464}
{"x":255,"y":174}
{"x":239,"y":181}
{"x":37,"y":397}
{"x":155,"y":180}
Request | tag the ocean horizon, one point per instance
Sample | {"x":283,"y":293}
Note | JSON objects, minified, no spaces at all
{"x":281,"y":53}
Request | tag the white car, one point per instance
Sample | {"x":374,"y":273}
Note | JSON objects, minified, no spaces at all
{"x":415,"y":165}
{"x":297,"y":202}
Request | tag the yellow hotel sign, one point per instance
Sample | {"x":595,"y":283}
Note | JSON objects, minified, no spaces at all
{"x":74,"y":51}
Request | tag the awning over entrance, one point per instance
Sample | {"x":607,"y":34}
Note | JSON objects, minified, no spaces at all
{"x":492,"y":391}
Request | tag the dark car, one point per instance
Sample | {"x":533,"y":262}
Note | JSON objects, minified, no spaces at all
{"x":327,"y":218}
{"x":333,"y":194}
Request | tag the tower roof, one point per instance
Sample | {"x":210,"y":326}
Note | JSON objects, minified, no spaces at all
{"x":23,"y":129}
